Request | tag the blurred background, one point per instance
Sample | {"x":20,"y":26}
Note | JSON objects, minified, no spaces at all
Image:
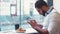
{"x":15,"y":13}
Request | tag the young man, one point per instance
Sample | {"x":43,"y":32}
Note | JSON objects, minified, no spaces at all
{"x":51,"y":22}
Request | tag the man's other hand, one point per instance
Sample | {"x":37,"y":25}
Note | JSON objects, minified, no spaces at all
{"x":34,"y":24}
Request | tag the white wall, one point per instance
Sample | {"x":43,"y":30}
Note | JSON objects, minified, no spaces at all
{"x":4,"y":8}
{"x":56,"y":4}
{"x":18,"y":7}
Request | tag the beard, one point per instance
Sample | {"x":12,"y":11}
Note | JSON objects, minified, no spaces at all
{"x":43,"y":13}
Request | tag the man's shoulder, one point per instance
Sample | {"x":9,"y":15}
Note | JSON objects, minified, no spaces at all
{"x":54,"y":13}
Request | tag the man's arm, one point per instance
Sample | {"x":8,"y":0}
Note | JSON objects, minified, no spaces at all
{"x":40,"y":30}
{"x":37,"y":27}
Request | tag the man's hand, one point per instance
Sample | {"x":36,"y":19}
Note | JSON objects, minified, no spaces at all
{"x":41,"y":26}
{"x":38,"y":27}
{"x":34,"y":24}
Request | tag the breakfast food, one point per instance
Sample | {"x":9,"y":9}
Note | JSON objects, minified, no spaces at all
{"x":20,"y":30}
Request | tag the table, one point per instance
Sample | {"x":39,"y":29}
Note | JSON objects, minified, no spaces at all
{"x":28,"y":31}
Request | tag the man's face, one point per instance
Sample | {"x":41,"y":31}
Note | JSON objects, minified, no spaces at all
{"x":41,"y":11}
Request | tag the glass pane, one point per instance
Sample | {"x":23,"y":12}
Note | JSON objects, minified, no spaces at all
{"x":23,"y":9}
{"x":13,"y":10}
{"x":28,"y":11}
{"x":8,"y":7}
{"x":6,"y":0}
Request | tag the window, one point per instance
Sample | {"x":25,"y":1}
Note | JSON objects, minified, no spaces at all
{"x":8,"y":8}
{"x":17,"y":12}
{"x":28,"y":11}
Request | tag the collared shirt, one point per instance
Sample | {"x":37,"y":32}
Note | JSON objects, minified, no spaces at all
{"x":45,"y":23}
{"x":49,"y":11}
{"x":52,"y":22}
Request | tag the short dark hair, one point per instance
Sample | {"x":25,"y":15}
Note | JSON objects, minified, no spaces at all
{"x":39,"y":4}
